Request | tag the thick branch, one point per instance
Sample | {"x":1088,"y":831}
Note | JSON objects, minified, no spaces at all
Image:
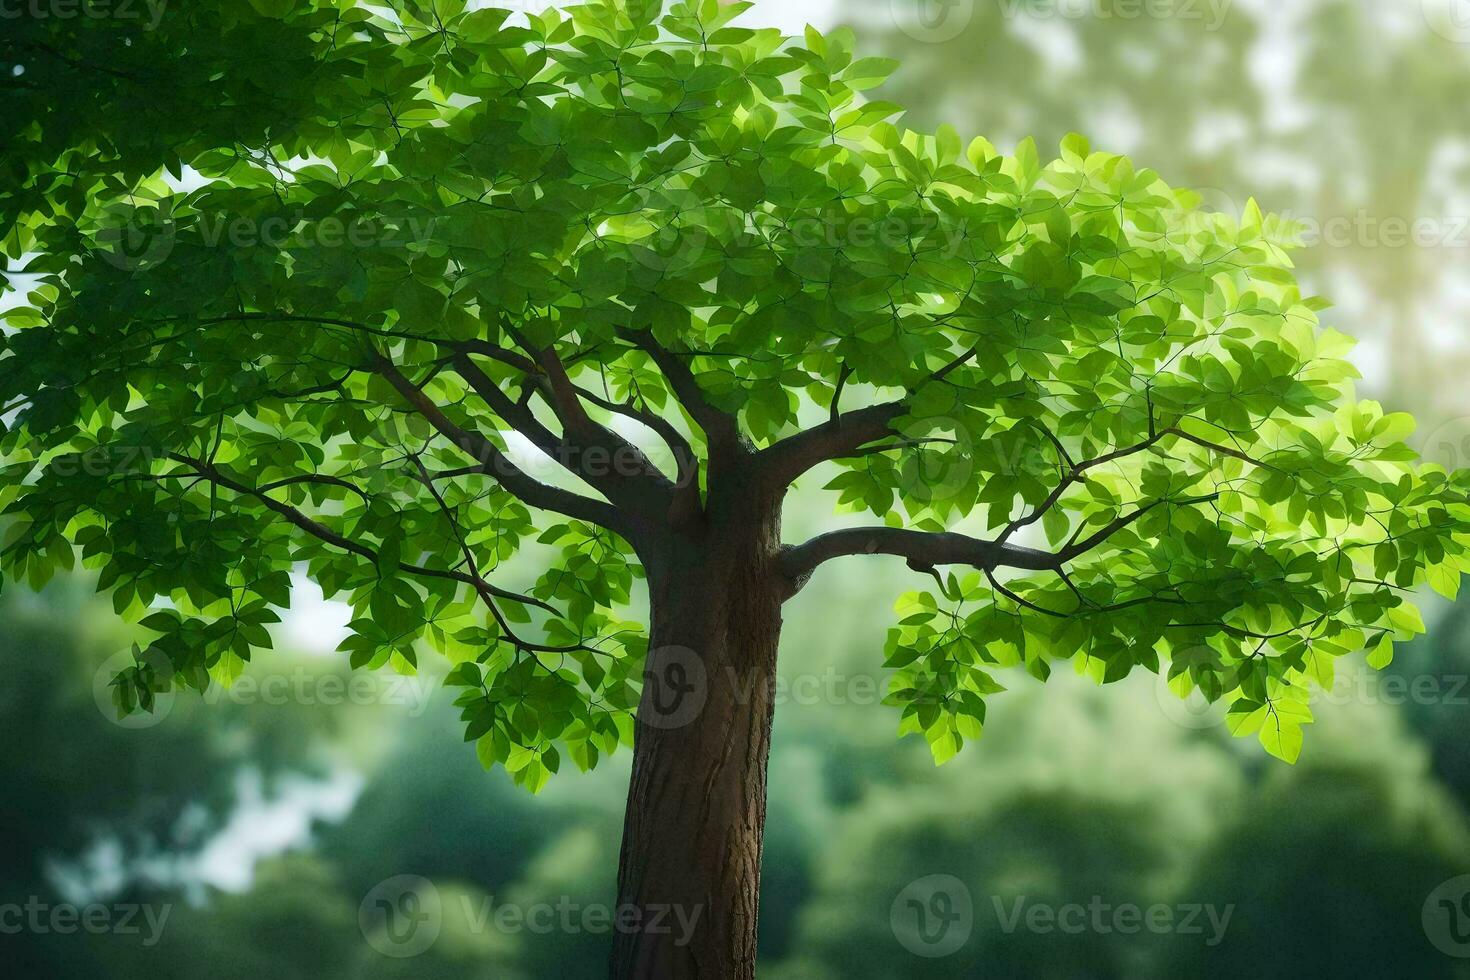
{"x":687,"y":504}
{"x":496,"y":353}
{"x":844,"y":433}
{"x":684,"y":455}
{"x":719,"y":427}
{"x":617,"y":468}
{"x":493,"y":462}
{"x":513,"y":413}
{"x":925,"y":550}
{"x":833,"y":439}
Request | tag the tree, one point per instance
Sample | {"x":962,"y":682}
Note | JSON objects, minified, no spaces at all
{"x":396,"y":298}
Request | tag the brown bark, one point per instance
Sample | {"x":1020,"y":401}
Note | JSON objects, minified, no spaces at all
{"x":697,"y":800}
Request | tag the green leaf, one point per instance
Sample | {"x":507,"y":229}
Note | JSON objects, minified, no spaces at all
{"x":1283,"y":740}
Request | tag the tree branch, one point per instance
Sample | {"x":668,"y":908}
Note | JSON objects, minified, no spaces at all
{"x":1122,"y":521}
{"x":687,"y":503}
{"x":719,"y":427}
{"x":617,"y":468}
{"x":843,"y":434}
{"x":834,"y":439}
{"x":926,"y":549}
{"x":923,"y":549}
{"x":1074,"y":476}
{"x":487,"y":595}
{"x":493,"y":462}
{"x":321,"y":532}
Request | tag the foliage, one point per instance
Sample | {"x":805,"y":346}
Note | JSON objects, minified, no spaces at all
{"x":320,"y":326}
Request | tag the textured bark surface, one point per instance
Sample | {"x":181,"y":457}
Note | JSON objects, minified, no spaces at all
{"x":697,"y":800}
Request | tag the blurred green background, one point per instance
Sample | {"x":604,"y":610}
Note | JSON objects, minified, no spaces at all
{"x":265,"y":822}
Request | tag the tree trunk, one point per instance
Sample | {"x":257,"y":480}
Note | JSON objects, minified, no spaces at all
{"x":689,"y":875}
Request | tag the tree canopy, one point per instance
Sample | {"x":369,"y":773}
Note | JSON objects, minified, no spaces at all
{"x":398,"y":294}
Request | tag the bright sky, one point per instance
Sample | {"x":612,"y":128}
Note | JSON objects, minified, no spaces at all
{"x":792,"y":16}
